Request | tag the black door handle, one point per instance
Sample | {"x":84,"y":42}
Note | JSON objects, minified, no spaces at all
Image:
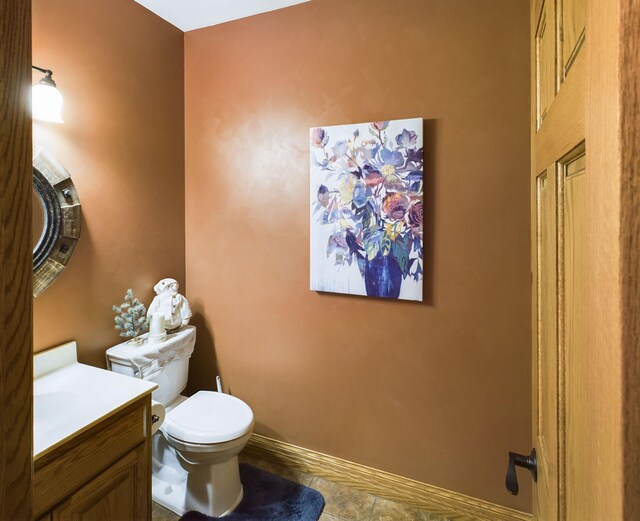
{"x":518,"y":460}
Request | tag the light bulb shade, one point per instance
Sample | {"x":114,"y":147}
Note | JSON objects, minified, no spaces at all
{"x":46,"y":103}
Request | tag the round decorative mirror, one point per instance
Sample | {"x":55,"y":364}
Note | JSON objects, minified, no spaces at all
{"x":56,"y":220}
{"x":37,"y":220}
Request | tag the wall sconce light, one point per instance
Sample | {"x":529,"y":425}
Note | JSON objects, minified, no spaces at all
{"x":46,"y":100}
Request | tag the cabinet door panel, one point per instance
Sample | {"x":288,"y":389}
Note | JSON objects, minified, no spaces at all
{"x":118,"y":493}
{"x":59,"y":474}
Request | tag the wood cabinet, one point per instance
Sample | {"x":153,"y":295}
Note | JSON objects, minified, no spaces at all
{"x":103,"y":474}
{"x":114,"y":494}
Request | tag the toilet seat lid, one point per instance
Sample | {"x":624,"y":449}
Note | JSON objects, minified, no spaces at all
{"x":209,"y":417}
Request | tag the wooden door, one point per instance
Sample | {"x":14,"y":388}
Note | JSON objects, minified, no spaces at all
{"x":120,"y":492}
{"x":15,"y":261}
{"x":558,"y":178}
{"x":630,"y":250}
{"x":575,"y":246}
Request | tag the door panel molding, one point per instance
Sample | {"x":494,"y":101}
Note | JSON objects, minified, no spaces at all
{"x":571,"y":32}
{"x":568,"y":167}
{"x":545,"y":342}
{"x":564,"y":125}
{"x":545,"y":60}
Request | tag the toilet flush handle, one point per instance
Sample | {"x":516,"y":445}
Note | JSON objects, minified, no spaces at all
{"x":155,"y":418}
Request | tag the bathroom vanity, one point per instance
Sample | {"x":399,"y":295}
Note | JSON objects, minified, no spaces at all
{"x":92,"y":431}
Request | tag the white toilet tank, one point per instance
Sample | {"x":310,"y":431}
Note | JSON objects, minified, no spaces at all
{"x":165,"y":363}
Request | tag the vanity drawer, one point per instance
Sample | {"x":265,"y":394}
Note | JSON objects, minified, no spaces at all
{"x":66,"y":469}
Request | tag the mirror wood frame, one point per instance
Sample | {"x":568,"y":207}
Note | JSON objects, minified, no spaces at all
{"x":62,"y":220}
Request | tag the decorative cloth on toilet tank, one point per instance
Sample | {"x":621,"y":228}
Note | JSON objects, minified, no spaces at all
{"x":149,"y":359}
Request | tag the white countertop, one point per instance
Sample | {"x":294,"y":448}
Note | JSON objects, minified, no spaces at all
{"x":70,"y":397}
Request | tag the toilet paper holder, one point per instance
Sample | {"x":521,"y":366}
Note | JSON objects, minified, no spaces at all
{"x":157,"y":416}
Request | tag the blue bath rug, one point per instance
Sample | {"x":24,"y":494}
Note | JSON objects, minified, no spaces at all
{"x":268,"y":497}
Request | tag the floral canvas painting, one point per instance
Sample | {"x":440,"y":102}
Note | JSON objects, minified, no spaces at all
{"x":367,"y":209}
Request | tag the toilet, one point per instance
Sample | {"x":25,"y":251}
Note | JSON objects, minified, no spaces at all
{"x":195,"y":451}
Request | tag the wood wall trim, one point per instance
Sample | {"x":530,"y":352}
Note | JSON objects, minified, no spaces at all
{"x":15,"y":262}
{"x":454,"y":506}
{"x":630,"y":250}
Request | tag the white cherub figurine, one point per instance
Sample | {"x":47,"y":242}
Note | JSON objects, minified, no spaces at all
{"x":171,"y":304}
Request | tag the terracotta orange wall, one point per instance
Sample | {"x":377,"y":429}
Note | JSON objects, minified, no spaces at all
{"x":437,"y":391}
{"x":121,"y":71}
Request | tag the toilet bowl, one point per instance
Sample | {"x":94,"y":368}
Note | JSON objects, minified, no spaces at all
{"x":207,"y":432}
{"x":195,"y":451}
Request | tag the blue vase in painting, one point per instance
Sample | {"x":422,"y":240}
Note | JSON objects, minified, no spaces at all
{"x":382,"y":276}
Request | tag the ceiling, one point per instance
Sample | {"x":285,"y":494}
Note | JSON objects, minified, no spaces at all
{"x":194,"y":14}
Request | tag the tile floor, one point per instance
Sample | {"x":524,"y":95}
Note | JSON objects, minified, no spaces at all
{"x":342,"y":503}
